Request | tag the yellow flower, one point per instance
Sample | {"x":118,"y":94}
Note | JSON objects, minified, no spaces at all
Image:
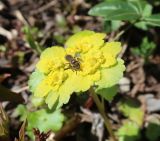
{"x":85,"y":61}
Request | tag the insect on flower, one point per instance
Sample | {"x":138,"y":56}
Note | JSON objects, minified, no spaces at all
{"x":74,"y":62}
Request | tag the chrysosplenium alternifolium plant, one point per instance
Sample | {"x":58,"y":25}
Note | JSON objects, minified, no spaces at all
{"x":86,"y":61}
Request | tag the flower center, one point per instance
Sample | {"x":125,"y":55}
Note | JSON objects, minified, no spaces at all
{"x":55,"y":79}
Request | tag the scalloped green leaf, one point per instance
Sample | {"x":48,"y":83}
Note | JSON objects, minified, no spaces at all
{"x":129,"y":131}
{"x":37,"y":101}
{"x":131,"y":109}
{"x":44,"y":120}
{"x":153,"y":128}
{"x":111,"y":75}
{"x":108,"y":93}
{"x":21,"y":111}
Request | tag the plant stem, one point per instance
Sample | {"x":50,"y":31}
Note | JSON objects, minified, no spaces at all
{"x":123,"y":31}
{"x":101,"y":109}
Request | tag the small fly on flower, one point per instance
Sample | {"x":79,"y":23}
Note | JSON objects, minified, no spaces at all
{"x":74,"y":62}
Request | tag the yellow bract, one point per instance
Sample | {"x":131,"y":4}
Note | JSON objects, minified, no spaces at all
{"x":60,"y":80}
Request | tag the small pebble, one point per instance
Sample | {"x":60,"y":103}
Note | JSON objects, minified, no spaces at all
{"x":124,"y":85}
{"x":153,"y":104}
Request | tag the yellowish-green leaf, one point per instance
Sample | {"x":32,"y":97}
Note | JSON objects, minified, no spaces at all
{"x":111,"y":76}
{"x":131,"y":109}
{"x":108,"y":93}
{"x":35,"y":78}
{"x":129,"y":131}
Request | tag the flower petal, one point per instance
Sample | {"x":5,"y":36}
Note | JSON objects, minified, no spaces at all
{"x":65,"y":91}
{"x":84,"y":40}
{"x":51,"y":58}
{"x":72,"y":41}
{"x":51,"y":99}
{"x":82,"y":83}
{"x":111,"y":48}
{"x":42,"y":89}
{"x":110,"y":51}
{"x":74,"y":83}
{"x":53,"y":52}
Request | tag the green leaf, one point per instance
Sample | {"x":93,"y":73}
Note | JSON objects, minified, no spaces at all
{"x":144,"y":8}
{"x":122,"y":15}
{"x":59,"y":38}
{"x":117,"y":10}
{"x":136,"y":51}
{"x":29,"y":34}
{"x":142,"y":25}
{"x":115,"y":25}
{"x":108,"y":93}
{"x":110,"y":26}
{"x":111,"y":75}
{"x":37,"y":101}
{"x":131,"y":109}
{"x":152,"y":132}
{"x":147,"y":10}
{"x":129,"y":131}
{"x":153,"y":129}
{"x":145,"y":50}
{"x":107,"y":26}
{"x":29,"y":37}
{"x":122,"y":10}
{"x":44,"y":120}
{"x":21,"y":111}
{"x":153,"y":20}
{"x":35,"y":78}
